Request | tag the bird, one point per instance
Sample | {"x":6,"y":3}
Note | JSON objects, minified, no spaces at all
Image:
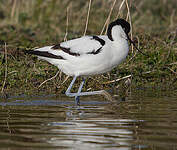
{"x":89,"y":55}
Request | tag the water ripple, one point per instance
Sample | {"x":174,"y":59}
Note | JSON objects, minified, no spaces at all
{"x":48,"y":123}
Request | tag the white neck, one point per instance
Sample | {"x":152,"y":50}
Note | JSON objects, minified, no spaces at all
{"x":118,"y":33}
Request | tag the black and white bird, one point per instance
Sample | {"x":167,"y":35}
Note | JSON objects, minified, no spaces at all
{"x":89,"y":55}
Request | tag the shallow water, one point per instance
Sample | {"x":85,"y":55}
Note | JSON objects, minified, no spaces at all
{"x":144,"y":121}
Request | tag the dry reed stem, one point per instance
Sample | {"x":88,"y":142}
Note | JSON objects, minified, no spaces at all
{"x":5,"y":76}
{"x":120,"y":7}
{"x":88,"y":14}
{"x":67,"y":23}
{"x":108,"y":18}
{"x":13,"y":8}
{"x":65,"y":38}
{"x":172,"y":18}
{"x":130,"y":21}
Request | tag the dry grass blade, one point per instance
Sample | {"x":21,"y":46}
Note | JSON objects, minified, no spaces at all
{"x":67,"y":77}
{"x":49,"y":79}
{"x":107,"y":96}
{"x":175,"y":63}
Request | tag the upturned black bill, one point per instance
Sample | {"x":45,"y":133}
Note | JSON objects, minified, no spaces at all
{"x":136,"y":46}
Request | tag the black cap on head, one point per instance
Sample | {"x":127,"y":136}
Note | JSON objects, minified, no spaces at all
{"x":124,"y":24}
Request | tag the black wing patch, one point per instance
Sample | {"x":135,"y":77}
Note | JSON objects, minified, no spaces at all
{"x":66,"y":50}
{"x":102,"y":42}
{"x":44,"y":54}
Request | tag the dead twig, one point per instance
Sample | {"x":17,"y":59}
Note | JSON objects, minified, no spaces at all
{"x":116,"y":80}
{"x":128,"y":76}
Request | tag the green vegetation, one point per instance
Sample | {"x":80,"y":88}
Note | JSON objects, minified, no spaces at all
{"x":35,"y":23}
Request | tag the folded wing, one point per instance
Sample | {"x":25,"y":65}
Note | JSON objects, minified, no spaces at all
{"x":83,"y":45}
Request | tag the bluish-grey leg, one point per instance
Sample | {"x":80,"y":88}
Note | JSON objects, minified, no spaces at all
{"x":68,"y":91}
{"x":77,"y":97}
{"x":79,"y":93}
{"x":101,"y":92}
